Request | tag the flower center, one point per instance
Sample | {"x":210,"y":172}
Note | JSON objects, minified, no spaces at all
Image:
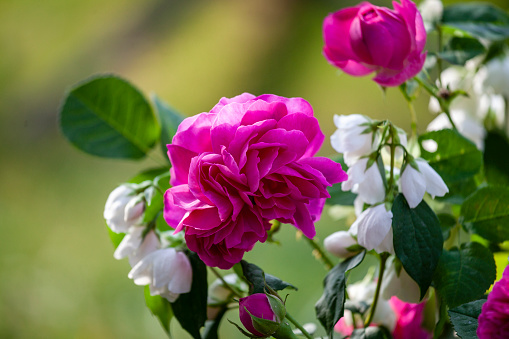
{"x":370,"y":15}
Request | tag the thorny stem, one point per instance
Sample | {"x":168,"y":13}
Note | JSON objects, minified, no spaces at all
{"x":383,"y":259}
{"x":320,"y":253}
{"x":299,"y":326}
{"x":225,"y":284}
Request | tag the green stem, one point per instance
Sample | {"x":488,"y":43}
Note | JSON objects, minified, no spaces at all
{"x":439,"y":60}
{"x":446,"y":111}
{"x":383,"y":259}
{"x":322,"y":256}
{"x":299,"y":326}
{"x":225,"y":284}
{"x":429,"y":88}
{"x":439,"y":328}
{"x":413,"y":116}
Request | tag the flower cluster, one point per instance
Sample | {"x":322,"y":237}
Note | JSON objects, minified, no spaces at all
{"x":247,"y":161}
{"x":166,"y":271}
{"x":483,"y":102}
{"x":363,"y":143}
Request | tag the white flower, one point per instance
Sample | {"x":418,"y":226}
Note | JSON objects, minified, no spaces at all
{"x":122,"y":210}
{"x":349,"y":138}
{"x":387,"y":244}
{"x":373,"y":226}
{"x":167,"y":272}
{"x":414,"y":183}
{"x":367,"y":183}
{"x":338,"y":243}
{"x":431,"y":12}
{"x":402,"y":286}
{"x":135,"y":247}
{"x":494,"y":77}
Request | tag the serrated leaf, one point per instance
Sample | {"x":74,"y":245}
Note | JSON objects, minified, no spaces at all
{"x":464,"y":274}
{"x":170,"y":120}
{"x":459,"y":50}
{"x":108,"y":117}
{"x":456,"y":157}
{"x":486,"y":212}
{"x":254,"y":275}
{"x":417,"y":240}
{"x":190,"y":309}
{"x":161,"y":308}
{"x":330,"y":307}
{"x":464,"y":318}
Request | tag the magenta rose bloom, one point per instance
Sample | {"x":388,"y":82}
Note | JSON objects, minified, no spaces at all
{"x":246,"y":162}
{"x":409,"y":320}
{"x":494,"y":317}
{"x":366,"y":38}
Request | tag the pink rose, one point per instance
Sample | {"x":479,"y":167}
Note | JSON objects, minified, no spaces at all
{"x":246,"y":162}
{"x":494,"y":317}
{"x":409,"y":320}
{"x":261,"y":306}
{"x":366,"y":38}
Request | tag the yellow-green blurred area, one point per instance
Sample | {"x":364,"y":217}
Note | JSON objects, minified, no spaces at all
{"x":58,"y":278}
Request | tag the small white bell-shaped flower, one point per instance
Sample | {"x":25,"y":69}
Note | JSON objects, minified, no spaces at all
{"x":123,"y":209}
{"x":373,"y":226}
{"x":167,"y":272}
{"x":135,"y":247}
{"x":349,"y":138}
{"x":367,"y":183}
{"x":415,"y":182}
{"x":338,"y":243}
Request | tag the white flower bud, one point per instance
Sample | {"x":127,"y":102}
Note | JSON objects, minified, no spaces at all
{"x":431,"y":12}
{"x":122,"y":209}
{"x":372,"y":226}
{"x":367,"y":183}
{"x":338,"y":243}
{"x":134,"y":247}
{"x":167,"y":272}
{"x":218,"y":293}
{"x":349,"y":139}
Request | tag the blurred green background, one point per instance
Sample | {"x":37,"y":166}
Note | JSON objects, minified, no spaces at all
{"x":58,"y":278}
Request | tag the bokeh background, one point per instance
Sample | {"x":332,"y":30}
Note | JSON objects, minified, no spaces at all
{"x":58,"y":278}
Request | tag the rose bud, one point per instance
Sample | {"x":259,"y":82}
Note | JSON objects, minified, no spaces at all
{"x":261,"y":314}
{"x":366,"y":38}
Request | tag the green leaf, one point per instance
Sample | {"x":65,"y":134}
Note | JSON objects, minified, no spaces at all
{"x":161,"y":308}
{"x":255,"y":276}
{"x":486,"y":212}
{"x":170,"y":120}
{"x":330,"y":307}
{"x":108,"y":117}
{"x":116,"y":238}
{"x":149,"y":174}
{"x":417,"y":240}
{"x":496,"y":167}
{"x":337,"y":195}
{"x":190,"y":309}
{"x":464,"y":318}
{"x":456,"y":157}
{"x":371,"y":332}
{"x":464,"y":274}
{"x":479,"y":19}
{"x":459,"y":191}
{"x":459,"y":50}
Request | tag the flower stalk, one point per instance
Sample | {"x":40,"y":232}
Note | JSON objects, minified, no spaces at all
{"x":383,"y":259}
